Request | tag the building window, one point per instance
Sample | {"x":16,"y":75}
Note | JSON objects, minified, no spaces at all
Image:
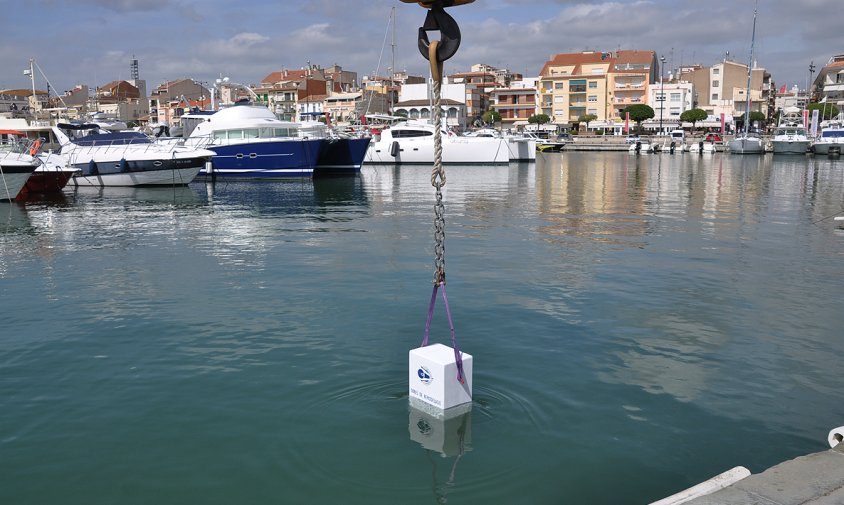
{"x":715,"y":84}
{"x":716,"y":71}
{"x":593,"y":98}
{"x":559,"y":99}
{"x":714,"y":96}
{"x":559,"y":85}
{"x":593,"y":84}
{"x":592,"y":111}
{"x":546,"y":85}
{"x":675,"y":97}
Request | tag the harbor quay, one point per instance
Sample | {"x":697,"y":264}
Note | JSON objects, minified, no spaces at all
{"x":813,"y":479}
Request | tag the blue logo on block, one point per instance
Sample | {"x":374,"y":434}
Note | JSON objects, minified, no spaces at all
{"x":424,"y":375}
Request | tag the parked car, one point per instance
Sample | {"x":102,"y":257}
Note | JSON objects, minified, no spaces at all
{"x":713,"y":137}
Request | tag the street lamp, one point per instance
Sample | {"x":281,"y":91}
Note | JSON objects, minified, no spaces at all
{"x":808,"y":86}
{"x":661,"y":99}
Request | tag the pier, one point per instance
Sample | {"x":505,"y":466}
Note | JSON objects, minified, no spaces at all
{"x":814,"y":479}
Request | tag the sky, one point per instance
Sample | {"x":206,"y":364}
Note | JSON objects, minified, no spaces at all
{"x":92,"y":41}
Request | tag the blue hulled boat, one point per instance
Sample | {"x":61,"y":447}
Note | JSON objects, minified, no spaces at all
{"x":248,"y":141}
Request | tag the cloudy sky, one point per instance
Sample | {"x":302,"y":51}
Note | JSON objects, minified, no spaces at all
{"x":92,"y":41}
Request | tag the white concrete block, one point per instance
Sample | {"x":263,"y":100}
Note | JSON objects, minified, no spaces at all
{"x":432,"y":376}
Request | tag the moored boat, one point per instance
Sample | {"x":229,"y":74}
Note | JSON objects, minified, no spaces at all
{"x":519,"y":147}
{"x":126,"y":158}
{"x":16,"y":166}
{"x":747,"y":142}
{"x":339,"y":154}
{"x":249,"y":141}
{"x":48,"y":177}
{"x":831,"y":139}
{"x":790,"y":137}
{"x":413,"y":142}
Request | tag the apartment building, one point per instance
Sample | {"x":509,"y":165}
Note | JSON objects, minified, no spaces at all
{"x":479,"y":86}
{"x":669,"y":100}
{"x":829,"y":84}
{"x":168,"y":101}
{"x":515,"y":103}
{"x":631,"y":76}
{"x":599,"y":83}
{"x":722,"y":88}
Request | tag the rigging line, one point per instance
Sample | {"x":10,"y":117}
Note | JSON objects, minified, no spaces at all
{"x":48,"y":81}
{"x":390,"y":20}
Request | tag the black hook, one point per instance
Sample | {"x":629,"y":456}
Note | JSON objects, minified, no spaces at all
{"x":438,"y":20}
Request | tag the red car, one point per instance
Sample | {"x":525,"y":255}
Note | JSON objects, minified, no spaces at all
{"x":713,"y":137}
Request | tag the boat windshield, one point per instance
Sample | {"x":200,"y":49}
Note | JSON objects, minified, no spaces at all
{"x":790,"y":131}
{"x":255,"y":133}
{"x":829,"y":134}
{"x":111,"y":139}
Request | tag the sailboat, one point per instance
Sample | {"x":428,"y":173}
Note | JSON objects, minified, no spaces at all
{"x":748,"y":142}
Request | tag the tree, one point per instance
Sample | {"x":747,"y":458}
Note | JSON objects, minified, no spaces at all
{"x":693,"y":116}
{"x":827,"y":110}
{"x":755,"y":117}
{"x":400,"y":113}
{"x":638,"y":113}
{"x":539,"y":119}
{"x":587,"y":118}
{"x":491,"y":117}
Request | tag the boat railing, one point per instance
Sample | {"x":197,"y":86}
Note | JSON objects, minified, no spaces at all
{"x":13,"y":146}
{"x":126,"y":147}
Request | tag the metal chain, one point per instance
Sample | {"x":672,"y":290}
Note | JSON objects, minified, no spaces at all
{"x":438,"y":181}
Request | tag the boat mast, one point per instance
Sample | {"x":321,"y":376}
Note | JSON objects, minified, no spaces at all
{"x":393,"y":61}
{"x":749,"y":71}
{"x":34,"y":98}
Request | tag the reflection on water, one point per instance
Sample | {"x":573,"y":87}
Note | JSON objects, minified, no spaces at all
{"x":656,"y":318}
{"x":447,"y":434}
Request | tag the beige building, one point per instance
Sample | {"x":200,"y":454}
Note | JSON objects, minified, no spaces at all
{"x":598,"y":83}
{"x":722,"y":88}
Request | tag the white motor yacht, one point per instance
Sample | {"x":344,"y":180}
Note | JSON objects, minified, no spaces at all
{"x":126,"y":158}
{"x":790,"y":137}
{"x":413,"y":142}
{"x":831,"y":140}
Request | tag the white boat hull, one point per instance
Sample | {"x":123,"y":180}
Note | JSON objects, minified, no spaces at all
{"x":462,"y":150}
{"x":746,"y":146}
{"x":822,"y":148}
{"x":12,"y":182}
{"x":790,"y":146}
{"x":170,"y":177}
{"x":522,"y":149}
{"x":15,"y":169}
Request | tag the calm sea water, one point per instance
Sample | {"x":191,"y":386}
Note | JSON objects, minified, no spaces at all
{"x":638,"y":324}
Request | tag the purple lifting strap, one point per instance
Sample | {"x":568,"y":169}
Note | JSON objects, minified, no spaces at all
{"x":457,"y":355}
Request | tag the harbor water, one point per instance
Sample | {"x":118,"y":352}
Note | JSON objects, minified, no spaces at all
{"x":638,"y":324}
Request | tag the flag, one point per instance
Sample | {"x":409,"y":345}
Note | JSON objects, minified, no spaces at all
{"x":782,"y":89}
{"x":813,"y":130}
{"x":823,"y":101}
{"x":723,"y":120}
